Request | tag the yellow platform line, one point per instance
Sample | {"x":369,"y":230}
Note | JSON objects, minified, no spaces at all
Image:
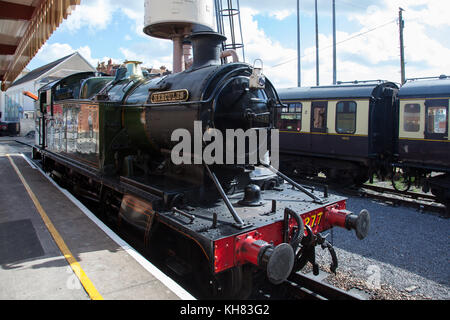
{"x":84,"y":279}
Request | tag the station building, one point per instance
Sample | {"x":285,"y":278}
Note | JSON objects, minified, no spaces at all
{"x":13,"y":100}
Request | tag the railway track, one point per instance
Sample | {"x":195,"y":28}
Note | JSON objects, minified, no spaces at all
{"x":419,"y":201}
{"x":301,"y":286}
{"x":409,"y":194}
{"x":304,"y":287}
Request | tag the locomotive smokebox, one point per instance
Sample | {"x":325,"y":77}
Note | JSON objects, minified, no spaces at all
{"x":206,"y":48}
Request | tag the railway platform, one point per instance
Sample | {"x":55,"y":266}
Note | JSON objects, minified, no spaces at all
{"x":52,"y":247}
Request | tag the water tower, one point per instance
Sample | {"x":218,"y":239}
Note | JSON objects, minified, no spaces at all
{"x":174,"y":19}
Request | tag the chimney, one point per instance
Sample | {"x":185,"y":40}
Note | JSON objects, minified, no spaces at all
{"x":207,"y":46}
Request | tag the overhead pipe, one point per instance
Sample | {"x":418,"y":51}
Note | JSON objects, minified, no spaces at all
{"x":30,"y":95}
{"x":230,"y":53}
{"x":227,"y":53}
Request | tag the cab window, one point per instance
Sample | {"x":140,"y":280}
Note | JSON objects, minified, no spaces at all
{"x":346,"y":117}
{"x":291,"y":117}
{"x":411,"y":117}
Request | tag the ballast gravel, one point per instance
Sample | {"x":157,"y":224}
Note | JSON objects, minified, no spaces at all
{"x":406,"y":255}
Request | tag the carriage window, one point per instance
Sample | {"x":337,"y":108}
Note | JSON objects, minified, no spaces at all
{"x":437,"y":120}
{"x":411,"y":118}
{"x":346,"y":117}
{"x":291,"y":117}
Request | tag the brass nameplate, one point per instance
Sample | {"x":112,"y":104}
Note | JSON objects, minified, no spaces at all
{"x":170,"y":96}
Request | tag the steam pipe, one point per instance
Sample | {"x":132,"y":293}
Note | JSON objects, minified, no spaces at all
{"x":30,"y":95}
{"x":293,"y":183}
{"x":188,"y":61}
{"x":177,"y":53}
{"x":230,"y":207}
{"x":230,"y":53}
{"x":187,"y":55}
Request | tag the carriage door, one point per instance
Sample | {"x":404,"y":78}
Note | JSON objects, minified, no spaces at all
{"x":436,"y":124}
{"x":318,"y":126}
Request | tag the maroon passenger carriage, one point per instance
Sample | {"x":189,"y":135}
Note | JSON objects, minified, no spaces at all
{"x":423,"y":144}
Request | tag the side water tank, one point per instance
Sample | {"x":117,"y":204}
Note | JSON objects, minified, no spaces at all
{"x":164,"y":18}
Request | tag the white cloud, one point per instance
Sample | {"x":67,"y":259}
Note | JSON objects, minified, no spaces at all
{"x":259,"y":46}
{"x":371,"y":52}
{"x":52,"y":52}
{"x":425,"y":56}
{"x":98,"y":14}
{"x":370,"y":55}
{"x":95,"y":14}
{"x":281,"y":14}
{"x":137,"y":16}
{"x":147,"y":59}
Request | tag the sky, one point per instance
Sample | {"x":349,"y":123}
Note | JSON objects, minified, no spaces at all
{"x":367,"y":37}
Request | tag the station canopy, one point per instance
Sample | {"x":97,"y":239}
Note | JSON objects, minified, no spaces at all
{"x":25,"y":25}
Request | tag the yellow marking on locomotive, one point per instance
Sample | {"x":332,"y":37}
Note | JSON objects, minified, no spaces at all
{"x":170,"y":96}
{"x":84,"y":279}
{"x":313,"y":220}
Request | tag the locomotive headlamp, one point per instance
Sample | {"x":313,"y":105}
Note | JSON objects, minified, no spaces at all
{"x":257,"y":79}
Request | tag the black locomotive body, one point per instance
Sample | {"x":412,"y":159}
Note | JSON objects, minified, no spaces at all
{"x":346,"y":131}
{"x":110,"y":142}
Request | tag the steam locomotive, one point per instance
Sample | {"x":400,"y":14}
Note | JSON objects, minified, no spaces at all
{"x":109,"y":140}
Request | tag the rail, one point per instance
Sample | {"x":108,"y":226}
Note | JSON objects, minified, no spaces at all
{"x":303,"y":287}
{"x":419,"y":201}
